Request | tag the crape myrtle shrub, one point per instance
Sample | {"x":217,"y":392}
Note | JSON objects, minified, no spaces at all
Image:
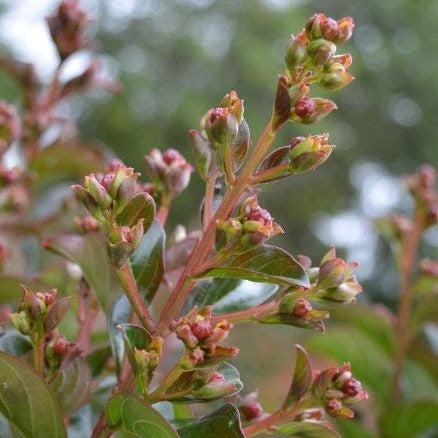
{"x":121,"y":327}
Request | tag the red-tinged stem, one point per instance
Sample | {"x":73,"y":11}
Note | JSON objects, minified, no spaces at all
{"x":38,"y":354}
{"x":278,"y":417}
{"x":182,"y":290}
{"x":209,"y":199}
{"x":163,"y":211}
{"x":248,"y":315}
{"x":131,"y":290}
{"x":408,"y":255}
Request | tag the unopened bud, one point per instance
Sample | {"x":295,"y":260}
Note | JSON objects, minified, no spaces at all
{"x":221,"y":126}
{"x":250,"y":407}
{"x":351,"y":387}
{"x":295,"y":53}
{"x":302,"y":308}
{"x":87,"y":224}
{"x":97,"y":191}
{"x":21,"y":322}
{"x":234,"y":105}
{"x":345,"y":30}
{"x":320,"y":51}
{"x":202,"y":329}
{"x":312,"y":113}
{"x":305,"y":107}
{"x":61,"y":347}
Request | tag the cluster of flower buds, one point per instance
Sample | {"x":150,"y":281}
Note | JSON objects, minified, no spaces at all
{"x":422,"y":185}
{"x":68,"y":28}
{"x":10,"y":127}
{"x":58,"y":350}
{"x":249,"y":407}
{"x":225,"y":132}
{"x":39,"y":313}
{"x":310,"y":58}
{"x":169,"y":172}
{"x":144,"y":361}
{"x":120,"y":207}
{"x":202,"y":339}
{"x":301,"y":155}
{"x":336,"y":279}
{"x":337,"y":389}
{"x":253,"y":226}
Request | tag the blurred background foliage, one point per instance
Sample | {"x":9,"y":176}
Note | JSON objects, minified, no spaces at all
{"x":177,"y":58}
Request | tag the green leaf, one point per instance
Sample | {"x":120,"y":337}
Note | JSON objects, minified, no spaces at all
{"x":147,"y":261}
{"x":135,"y":336}
{"x":223,"y":422}
{"x":140,"y":206}
{"x":411,"y":420}
{"x":90,"y":253}
{"x":229,"y":294}
{"x":264,"y":264}
{"x":10,"y":288}
{"x":72,"y":386}
{"x":97,"y":358}
{"x":349,"y":428}
{"x":302,"y":377}
{"x":305,"y":429}
{"x":126,"y":413}
{"x":15,"y":343}
{"x":66,"y":162}
{"x":27,"y":402}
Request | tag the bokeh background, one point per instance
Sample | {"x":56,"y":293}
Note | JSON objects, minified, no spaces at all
{"x":177,"y":58}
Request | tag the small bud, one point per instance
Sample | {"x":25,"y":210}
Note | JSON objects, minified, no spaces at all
{"x":87,"y":224}
{"x":320,"y":51}
{"x":185,"y":334}
{"x":67,"y":28}
{"x":250,"y":407}
{"x":61,"y":346}
{"x":202,"y":329}
{"x":302,"y":308}
{"x":351,"y":387}
{"x":295,"y":53}
{"x":312,"y":113}
{"x":97,"y":191}
{"x":21,"y":322}
{"x":220,"y":126}
{"x":9,"y":125}
{"x":305,"y":107}
{"x":335,"y":80}
{"x":234,"y":105}
{"x":333,"y":406}
{"x":345,"y":30}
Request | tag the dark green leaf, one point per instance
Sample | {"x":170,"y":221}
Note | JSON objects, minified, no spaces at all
{"x":90,"y":253}
{"x":66,"y":162}
{"x":229,"y":294}
{"x":302,"y":377}
{"x":72,"y":386}
{"x":147,"y":261}
{"x":304,"y":429}
{"x":15,"y":343}
{"x":223,"y":423}
{"x":408,"y":421}
{"x":127,"y":413}
{"x":135,"y":336}
{"x":140,"y":206}
{"x":263,"y":264}
{"x":27,"y":402}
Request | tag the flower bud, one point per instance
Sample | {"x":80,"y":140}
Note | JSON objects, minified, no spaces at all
{"x":220,"y":126}
{"x":320,"y":51}
{"x":61,"y":347}
{"x":124,"y":240}
{"x":67,"y":28}
{"x":296,"y":53}
{"x":215,"y":387}
{"x":21,"y":322}
{"x":201,"y":148}
{"x":302,"y":308}
{"x":185,"y":334}
{"x":88,"y":224}
{"x":309,"y":153}
{"x":97,"y":191}
{"x":202,"y":329}
{"x":335,"y":80}
{"x":345,"y":30}
{"x":250,"y":408}
{"x":9,"y":125}
{"x":321,"y":26}
{"x":351,"y":387}
{"x":234,"y":105}
{"x":312,"y":113}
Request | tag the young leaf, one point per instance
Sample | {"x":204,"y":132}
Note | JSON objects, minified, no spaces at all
{"x":223,"y":422}
{"x":302,"y":377}
{"x":229,"y":294}
{"x":140,"y":206}
{"x":304,"y":429}
{"x":72,"y":386}
{"x":147,"y":261}
{"x":27,"y":402}
{"x":90,"y":253}
{"x":126,"y":413}
{"x":264,"y":264}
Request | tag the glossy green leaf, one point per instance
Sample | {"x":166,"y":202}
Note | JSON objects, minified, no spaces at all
{"x":411,"y":420}
{"x":302,"y":377}
{"x":27,"y":402}
{"x":72,"y":386}
{"x":308,"y":429}
{"x":90,"y":253}
{"x":66,"y":162}
{"x":140,"y":206}
{"x":229,"y":294}
{"x":126,"y":413}
{"x":147,"y":261}
{"x":223,"y":422}
{"x":264,"y":264}
{"x":15,"y":343}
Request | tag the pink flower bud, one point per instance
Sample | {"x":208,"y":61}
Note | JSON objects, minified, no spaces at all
{"x":304,"y":107}
{"x":302,"y":308}
{"x":333,"y":406}
{"x":202,"y":329}
{"x":61,"y":346}
{"x":351,"y":387}
{"x":250,"y":407}
{"x":221,"y":126}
